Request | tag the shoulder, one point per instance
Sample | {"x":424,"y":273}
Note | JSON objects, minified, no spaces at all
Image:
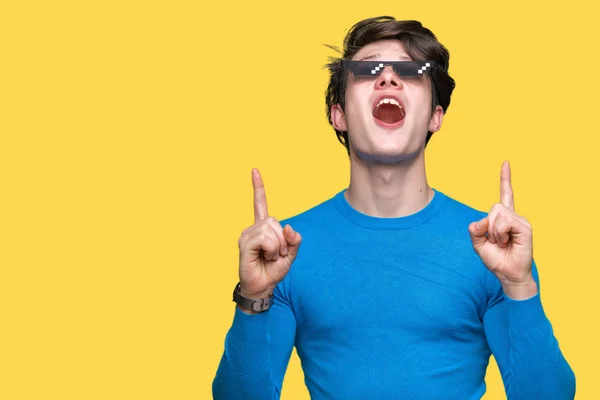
{"x":459,"y":211}
{"x":319,"y":215}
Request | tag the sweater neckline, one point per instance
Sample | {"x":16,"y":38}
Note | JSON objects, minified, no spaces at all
{"x":404,"y":222}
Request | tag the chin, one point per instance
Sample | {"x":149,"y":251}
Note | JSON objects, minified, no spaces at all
{"x":388,"y":156}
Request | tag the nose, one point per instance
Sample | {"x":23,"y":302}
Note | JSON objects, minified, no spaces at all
{"x":388,"y":79}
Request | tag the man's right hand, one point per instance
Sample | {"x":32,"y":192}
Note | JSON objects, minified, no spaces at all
{"x":267,"y":250}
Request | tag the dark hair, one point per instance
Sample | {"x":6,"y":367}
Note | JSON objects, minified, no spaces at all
{"x":420,"y":44}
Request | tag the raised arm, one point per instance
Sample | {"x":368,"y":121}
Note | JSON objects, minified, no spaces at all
{"x":259,"y":344}
{"x":517,"y":329}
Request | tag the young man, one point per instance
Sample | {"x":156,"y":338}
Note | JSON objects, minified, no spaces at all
{"x":397,"y":291}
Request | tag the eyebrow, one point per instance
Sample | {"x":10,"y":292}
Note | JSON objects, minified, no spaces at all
{"x":377,"y":55}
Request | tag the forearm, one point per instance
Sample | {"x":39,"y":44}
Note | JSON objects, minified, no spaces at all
{"x":536,"y":366}
{"x":245,"y":370}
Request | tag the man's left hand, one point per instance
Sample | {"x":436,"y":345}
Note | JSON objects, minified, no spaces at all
{"x":503,"y":241}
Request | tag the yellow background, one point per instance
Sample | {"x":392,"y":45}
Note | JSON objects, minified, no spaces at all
{"x":129,"y":129}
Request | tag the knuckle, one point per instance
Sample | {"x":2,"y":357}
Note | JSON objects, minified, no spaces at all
{"x":505,"y":224}
{"x":263,"y":227}
{"x":499,"y":208}
{"x":244,"y":237}
{"x":264,"y":237}
{"x":269,"y":241}
{"x":275,"y":225}
{"x":501,"y":222}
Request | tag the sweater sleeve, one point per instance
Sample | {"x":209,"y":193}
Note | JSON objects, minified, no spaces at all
{"x":523,"y":343}
{"x":257,"y":351}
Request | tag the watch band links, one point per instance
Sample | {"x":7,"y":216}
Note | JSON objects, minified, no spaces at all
{"x":259,"y":305}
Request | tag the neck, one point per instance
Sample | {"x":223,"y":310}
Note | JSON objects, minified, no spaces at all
{"x":388,"y":191}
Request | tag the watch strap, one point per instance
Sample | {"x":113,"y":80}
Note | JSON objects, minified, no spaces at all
{"x":258,"y":305}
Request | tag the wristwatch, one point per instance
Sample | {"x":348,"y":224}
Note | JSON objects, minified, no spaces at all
{"x":259,"y":305}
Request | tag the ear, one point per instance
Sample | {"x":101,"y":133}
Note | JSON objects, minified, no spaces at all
{"x":435,"y":123}
{"x":338,"y":119}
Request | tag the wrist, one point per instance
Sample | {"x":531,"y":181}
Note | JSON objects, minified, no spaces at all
{"x":520,"y":290}
{"x":256,"y":296}
{"x":253,"y":294}
{"x":252,"y":303}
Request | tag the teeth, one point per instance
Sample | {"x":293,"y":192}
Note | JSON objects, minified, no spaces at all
{"x":389,"y":101}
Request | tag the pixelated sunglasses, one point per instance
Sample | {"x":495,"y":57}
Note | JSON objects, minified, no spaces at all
{"x":401,"y":68}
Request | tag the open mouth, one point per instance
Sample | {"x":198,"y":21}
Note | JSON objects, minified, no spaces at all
{"x":389,"y":111}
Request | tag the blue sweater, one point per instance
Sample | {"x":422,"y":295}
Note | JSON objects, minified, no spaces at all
{"x":392,"y":308}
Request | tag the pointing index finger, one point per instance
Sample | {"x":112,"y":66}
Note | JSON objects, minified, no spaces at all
{"x":260,"y":198}
{"x":506,"y":193}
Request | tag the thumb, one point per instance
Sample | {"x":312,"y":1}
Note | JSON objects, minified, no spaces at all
{"x":477,"y":231}
{"x":293,"y":238}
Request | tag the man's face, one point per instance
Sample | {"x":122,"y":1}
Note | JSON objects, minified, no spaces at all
{"x":387,"y":117}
